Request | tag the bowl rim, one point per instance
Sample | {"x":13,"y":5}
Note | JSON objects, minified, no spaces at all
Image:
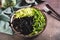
{"x":18,"y":33}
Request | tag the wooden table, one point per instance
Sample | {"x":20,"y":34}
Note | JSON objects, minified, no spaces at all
{"x":52,"y":31}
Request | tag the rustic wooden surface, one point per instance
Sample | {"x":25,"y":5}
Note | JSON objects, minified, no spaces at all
{"x":52,"y":31}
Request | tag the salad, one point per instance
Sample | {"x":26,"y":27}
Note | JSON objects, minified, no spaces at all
{"x":30,"y":21}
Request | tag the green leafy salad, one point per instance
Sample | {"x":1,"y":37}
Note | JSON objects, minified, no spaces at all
{"x":39,"y":18}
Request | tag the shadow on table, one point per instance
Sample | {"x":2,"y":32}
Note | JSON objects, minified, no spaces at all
{"x":56,"y":37}
{"x":40,"y":37}
{"x":16,"y":37}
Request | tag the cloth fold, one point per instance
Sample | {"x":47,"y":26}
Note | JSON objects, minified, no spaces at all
{"x":5,"y":28}
{"x":4,"y":22}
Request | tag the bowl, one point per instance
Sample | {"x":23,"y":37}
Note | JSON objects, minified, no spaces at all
{"x":42,"y":16}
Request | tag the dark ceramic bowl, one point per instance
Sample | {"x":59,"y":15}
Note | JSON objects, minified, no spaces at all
{"x":26,"y":36}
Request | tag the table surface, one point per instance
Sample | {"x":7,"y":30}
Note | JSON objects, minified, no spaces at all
{"x":52,"y":31}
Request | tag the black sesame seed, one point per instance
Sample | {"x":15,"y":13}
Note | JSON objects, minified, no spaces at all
{"x":24,"y":25}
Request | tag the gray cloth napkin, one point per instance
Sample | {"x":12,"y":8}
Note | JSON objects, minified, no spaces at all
{"x":4,"y":21}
